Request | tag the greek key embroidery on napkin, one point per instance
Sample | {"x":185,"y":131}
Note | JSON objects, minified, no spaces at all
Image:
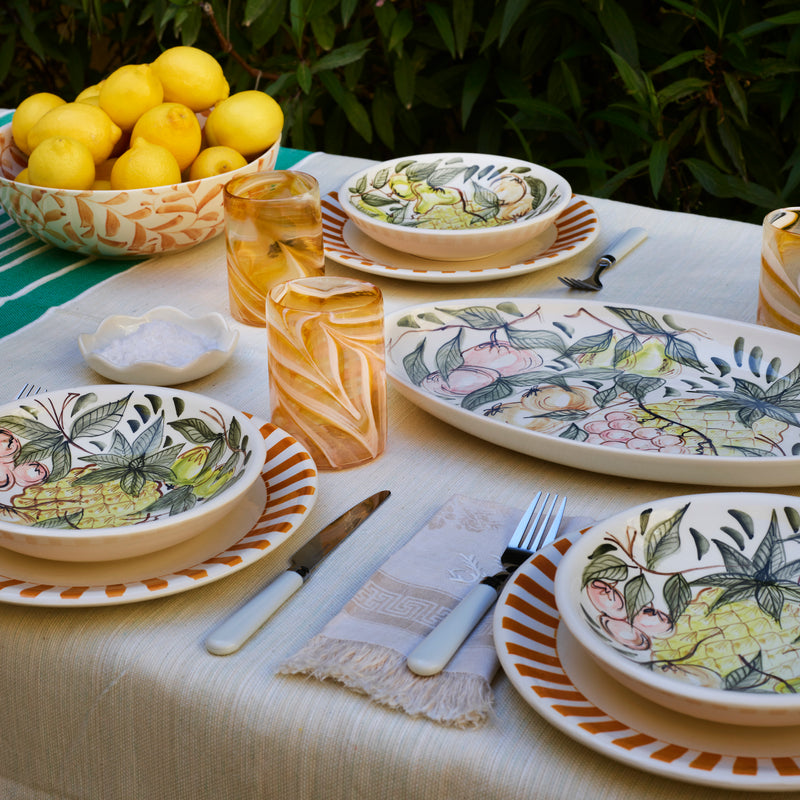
{"x":388,"y":601}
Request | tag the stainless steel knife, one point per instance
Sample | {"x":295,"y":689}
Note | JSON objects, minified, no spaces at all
{"x":231,"y":634}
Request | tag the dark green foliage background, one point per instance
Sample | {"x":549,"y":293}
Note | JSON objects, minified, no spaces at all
{"x":688,"y":106}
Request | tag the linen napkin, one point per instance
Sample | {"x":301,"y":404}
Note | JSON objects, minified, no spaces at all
{"x":364,"y":647}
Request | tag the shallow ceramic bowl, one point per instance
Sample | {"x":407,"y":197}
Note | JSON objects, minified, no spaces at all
{"x":148,"y":467}
{"x":165,"y":362}
{"x":118,"y":224}
{"x":693,"y":602}
{"x":454,"y":206}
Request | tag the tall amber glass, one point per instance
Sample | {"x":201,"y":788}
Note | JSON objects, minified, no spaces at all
{"x":779,"y":284}
{"x":327,"y":369}
{"x":273,"y":233}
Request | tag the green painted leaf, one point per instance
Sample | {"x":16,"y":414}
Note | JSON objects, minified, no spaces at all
{"x":414,"y":364}
{"x":449,"y":357}
{"x":604,"y":567}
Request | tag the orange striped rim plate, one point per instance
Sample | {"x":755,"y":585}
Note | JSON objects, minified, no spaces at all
{"x":575,"y":230}
{"x":561,"y":682}
{"x":290,"y":479}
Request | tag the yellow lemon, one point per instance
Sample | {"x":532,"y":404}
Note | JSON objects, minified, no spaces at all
{"x":249,"y":122}
{"x":23,"y":176}
{"x":130,"y":91}
{"x":28,"y":113}
{"x":174,"y":126}
{"x":192,"y":77}
{"x":216,"y":161}
{"x":144,"y":165}
{"x":61,"y":162}
{"x":101,"y":185}
{"x":82,"y":121}
{"x":91,"y":94}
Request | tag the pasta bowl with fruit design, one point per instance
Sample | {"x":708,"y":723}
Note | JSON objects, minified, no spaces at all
{"x":693,"y":603}
{"x":454,"y":206}
{"x":99,"y":473}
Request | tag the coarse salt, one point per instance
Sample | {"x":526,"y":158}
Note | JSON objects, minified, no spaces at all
{"x":160,"y":341}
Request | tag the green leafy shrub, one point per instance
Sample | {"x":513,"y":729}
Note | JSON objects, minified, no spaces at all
{"x":688,"y":106}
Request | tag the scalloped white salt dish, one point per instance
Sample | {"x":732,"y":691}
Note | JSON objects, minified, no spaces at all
{"x":111,"y":349}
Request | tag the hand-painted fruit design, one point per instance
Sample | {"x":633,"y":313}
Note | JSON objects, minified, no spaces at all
{"x":617,"y":379}
{"x":735,"y":628}
{"x":139,"y":463}
{"x":451,"y":194}
{"x":87,"y":506}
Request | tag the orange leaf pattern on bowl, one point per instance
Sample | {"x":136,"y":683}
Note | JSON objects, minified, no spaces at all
{"x":121,"y":224}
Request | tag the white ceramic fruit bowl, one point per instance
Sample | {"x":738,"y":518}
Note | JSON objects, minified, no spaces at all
{"x":99,"y":473}
{"x":454,"y":206}
{"x":132,"y":223}
{"x":163,"y":347}
{"x":693,"y":602}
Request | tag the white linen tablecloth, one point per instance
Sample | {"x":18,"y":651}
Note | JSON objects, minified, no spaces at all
{"x":124,"y":702}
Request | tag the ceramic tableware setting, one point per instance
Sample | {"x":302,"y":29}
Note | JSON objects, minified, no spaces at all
{"x":693,"y":602}
{"x":162,"y":347}
{"x":110,"y":223}
{"x":263,"y":518}
{"x":454,"y":206}
{"x":574,"y":230}
{"x":98,"y":473}
{"x":618,"y":389}
{"x":552,"y":673}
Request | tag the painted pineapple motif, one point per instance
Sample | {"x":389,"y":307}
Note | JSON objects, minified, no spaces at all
{"x":134,"y":464}
{"x":630,"y":381}
{"x":735,"y":628}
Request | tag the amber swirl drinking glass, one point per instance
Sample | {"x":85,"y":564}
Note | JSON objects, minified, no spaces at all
{"x":273,"y":233}
{"x":779,"y":284}
{"x":327,"y":369}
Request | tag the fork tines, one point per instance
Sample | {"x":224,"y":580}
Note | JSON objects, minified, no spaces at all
{"x":533,"y":535}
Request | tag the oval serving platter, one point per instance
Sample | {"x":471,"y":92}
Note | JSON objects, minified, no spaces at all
{"x":624,"y":390}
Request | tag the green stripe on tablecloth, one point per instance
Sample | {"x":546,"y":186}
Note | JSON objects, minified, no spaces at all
{"x":35,"y":277}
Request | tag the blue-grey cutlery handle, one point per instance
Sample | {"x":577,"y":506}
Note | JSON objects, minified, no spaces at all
{"x":620,"y":247}
{"x":231,"y":634}
{"x":433,"y":653}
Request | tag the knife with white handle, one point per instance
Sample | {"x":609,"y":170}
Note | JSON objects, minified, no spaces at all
{"x":434,"y":652}
{"x":231,"y":634}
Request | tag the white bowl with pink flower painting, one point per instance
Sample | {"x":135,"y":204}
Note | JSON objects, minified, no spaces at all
{"x":132,"y":223}
{"x":693,"y":603}
{"x":99,"y":473}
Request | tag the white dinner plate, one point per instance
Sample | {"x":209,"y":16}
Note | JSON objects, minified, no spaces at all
{"x":270,"y":513}
{"x":618,"y":389}
{"x":556,"y":677}
{"x":574,"y":230}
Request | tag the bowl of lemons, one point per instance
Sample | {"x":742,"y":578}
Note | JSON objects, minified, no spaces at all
{"x":135,"y":165}
{"x":454,"y":206}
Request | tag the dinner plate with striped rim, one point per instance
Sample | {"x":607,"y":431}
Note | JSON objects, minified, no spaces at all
{"x":268,"y":515}
{"x":558,"y":679}
{"x":574,"y":230}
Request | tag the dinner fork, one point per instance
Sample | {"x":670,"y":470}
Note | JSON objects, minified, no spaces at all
{"x":618,"y":249}
{"x":433,"y":653}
